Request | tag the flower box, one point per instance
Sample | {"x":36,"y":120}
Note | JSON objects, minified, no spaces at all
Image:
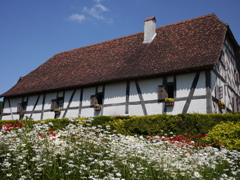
{"x":169,"y":102}
{"x":221,"y":105}
{"x":21,"y":114}
{"x":97,"y":107}
{"x":57,"y":111}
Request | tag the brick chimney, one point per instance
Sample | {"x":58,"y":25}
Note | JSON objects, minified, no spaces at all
{"x":149,"y":29}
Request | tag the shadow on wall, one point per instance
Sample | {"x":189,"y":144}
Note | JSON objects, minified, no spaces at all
{"x":169,"y":109}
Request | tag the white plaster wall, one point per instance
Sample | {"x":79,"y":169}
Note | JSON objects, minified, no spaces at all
{"x":149,"y":88}
{"x":6,"y":107}
{"x":72,"y":113}
{"x":197,"y":106}
{"x":67,"y":97}
{"x":177,"y":108}
{"x":87,"y":92}
{"x":114,"y":110}
{"x":200,"y":88}
{"x":87,"y":112}
{"x":136,"y":110}
{"x":8,"y":117}
{"x":76,"y":99}
{"x":48,"y":100}
{"x":133,"y":94}
{"x":154,"y":108}
{"x":184,"y":83}
{"x":31,"y":102}
{"x":36,"y":116}
{"x":48,"y":115}
{"x":39,"y":104}
{"x":115,"y":93}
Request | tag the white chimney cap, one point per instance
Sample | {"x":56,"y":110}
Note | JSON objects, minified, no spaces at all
{"x":149,"y":29}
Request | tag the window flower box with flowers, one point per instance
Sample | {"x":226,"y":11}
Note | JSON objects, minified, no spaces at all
{"x":221,"y":105}
{"x":97,"y":107}
{"x":169,"y":102}
{"x":21,"y":114}
{"x":57,"y":111}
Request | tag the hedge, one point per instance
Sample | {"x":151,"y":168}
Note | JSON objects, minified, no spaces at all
{"x":149,"y":125}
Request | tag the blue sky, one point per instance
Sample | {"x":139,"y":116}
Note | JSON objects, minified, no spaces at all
{"x":32,"y":31}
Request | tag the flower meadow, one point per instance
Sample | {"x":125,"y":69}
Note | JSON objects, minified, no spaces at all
{"x":81,"y":151}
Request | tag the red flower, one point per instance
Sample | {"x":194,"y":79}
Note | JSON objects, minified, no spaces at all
{"x":42,"y":135}
{"x":199,"y":135}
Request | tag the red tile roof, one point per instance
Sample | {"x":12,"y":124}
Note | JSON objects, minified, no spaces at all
{"x":190,"y":44}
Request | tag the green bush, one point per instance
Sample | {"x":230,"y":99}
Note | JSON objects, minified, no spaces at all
{"x":150,"y":125}
{"x":226,"y":133}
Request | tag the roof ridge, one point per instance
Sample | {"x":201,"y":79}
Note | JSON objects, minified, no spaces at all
{"x":193,"y":19}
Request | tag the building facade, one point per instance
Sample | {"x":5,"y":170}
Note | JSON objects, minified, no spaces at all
{"x":194,"y":62}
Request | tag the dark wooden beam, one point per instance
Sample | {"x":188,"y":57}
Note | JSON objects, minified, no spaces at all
{"x":190,"y":95}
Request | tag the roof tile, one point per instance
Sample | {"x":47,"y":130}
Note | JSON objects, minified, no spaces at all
{"x":182,"y":46}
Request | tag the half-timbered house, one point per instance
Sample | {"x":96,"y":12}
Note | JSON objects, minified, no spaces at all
{"x":195,"y":63}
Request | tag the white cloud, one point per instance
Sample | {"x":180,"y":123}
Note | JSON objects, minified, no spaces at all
{"x":101,"y":7}
{"x":95,"y":12}
{"x":77,"y":17}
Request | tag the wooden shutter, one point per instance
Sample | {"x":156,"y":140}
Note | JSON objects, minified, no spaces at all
{"x":54,"y":104}
{"x":93,"y":100}
{"x":235,"y":104}
{"x":238,"y":101}
{"x":236,"y":76}
{"x":162,"y":93}
{"x":223,"y":59}
{"x":19,"y":108}
{"x":218,"y":92}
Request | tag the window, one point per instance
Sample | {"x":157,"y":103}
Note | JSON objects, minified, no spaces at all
{"x":166,"y":91}
{"x":96,"y":99}
{"x":99,"y":98}
{"x":60,"y":102}
{"x":21,"y":107}
{"x":170,"y":90}
{"x":57,"y":103}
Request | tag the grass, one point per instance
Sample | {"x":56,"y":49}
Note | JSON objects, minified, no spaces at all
{"x":34,"y":151}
